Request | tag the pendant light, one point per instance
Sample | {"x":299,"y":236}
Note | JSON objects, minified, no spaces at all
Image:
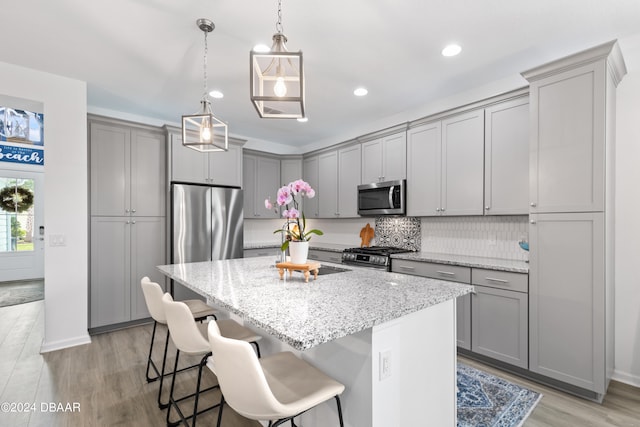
{"x":277,"y":78}
{"x":203,"y":131}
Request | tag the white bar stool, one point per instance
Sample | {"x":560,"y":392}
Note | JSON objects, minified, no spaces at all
{"x":153,"y":298}
{"x":191,"y":338}
{"x":275,"y":388}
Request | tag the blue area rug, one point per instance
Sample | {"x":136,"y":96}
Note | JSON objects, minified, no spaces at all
{"x":488,"y":401}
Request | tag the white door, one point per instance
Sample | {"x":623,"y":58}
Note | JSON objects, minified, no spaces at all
{"x":21,"y":225}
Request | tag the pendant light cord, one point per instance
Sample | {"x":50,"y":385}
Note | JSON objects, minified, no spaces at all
{"x":206,"y":51}
{"x":279,"y":23}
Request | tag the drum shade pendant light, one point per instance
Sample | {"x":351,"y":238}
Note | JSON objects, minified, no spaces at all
{"x":277,"y":78}
{"x":203,"y":131}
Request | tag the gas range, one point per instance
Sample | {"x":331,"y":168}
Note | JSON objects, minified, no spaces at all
{"x":374,"y":256}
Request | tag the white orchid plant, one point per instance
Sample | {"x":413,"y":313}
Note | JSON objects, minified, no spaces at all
{"x":287,"y":197}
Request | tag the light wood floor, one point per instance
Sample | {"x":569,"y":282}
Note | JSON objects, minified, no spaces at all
{"x":106,"y":378}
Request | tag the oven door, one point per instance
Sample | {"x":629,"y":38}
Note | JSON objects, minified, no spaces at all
{"x":382,"y":198}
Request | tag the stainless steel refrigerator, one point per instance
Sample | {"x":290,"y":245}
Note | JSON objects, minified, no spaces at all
{"x":206,"y":224}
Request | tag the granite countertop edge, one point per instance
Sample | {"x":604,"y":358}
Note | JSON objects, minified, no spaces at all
{"x":303,"y":339}
{"x":499,"y":264}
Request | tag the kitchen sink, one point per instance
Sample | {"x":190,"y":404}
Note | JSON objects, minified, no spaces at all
{"x":326,"y":269}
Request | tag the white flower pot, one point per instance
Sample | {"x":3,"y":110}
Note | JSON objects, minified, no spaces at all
{"x":298,"y":251}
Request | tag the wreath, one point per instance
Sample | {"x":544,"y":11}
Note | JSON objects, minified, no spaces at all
{"x":15,"y":199}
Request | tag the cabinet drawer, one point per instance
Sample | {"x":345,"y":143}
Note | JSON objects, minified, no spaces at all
{"x":500,"y":279}
{"x":453,"y":273}
{"x":326,"y":256}
{"x":250,"y":253}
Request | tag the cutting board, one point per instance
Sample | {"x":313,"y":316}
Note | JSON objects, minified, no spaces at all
{"x":366,"y":234}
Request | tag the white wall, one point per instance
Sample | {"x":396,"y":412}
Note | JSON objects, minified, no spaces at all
{"x":627,"y":249}
{"x":65,"y":136}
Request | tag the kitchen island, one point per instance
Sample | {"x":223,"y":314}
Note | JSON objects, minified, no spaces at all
{"x":390,"y":338}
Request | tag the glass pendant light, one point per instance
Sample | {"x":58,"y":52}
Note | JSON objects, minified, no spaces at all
{"x":202,"y":131}
{"x":277,"y":78}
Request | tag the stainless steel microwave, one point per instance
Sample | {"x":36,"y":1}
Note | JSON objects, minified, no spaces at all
{"x":382,"y":198}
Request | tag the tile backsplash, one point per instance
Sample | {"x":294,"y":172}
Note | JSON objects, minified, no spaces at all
{"x":486,"y":236}
{"x":399,"y":232}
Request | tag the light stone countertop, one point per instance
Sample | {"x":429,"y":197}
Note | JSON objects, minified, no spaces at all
{"x":515,"y":266}
{"x":305,"y":315}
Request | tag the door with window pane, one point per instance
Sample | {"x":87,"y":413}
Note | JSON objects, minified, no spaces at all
{"x":21,"y":225}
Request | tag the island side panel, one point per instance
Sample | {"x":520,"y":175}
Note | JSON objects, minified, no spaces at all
{"x":418,"y":385}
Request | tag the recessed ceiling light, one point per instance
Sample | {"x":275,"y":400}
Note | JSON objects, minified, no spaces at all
{"x":303,"y":119}
{"x":261,"y":48}
{"x":216,"y":94}
{"x":451,"y":50}
{"x":360,"y":91}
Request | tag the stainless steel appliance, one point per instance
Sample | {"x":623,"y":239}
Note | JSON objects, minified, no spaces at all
{"x":376,"y":256}
{"x":382,"y":198}
{"x":206,"y":224}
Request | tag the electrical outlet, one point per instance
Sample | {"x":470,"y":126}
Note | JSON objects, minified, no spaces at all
{"x":385,"y":364}
{"x":493,"y":239}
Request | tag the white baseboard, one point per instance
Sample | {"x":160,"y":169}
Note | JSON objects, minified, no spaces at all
{"x":626,"y":378}
{"x":59,"y":345}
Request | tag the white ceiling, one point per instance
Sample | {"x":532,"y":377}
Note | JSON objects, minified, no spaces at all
{"x":144,"y":57}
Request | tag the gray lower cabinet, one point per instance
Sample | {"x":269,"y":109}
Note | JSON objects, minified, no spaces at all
{"x":452,"y":273}
{"x":500,"y":316}
{"x":123,"y":250}
{"x":463,"y":321}
{"x":499,"y":325}
{"x":571,"y":306}
{"x":493,"y":321}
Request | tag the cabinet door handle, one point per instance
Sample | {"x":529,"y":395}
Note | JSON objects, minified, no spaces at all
{"x":133,"y":210}
{"x":493,"y":279}
{"x":133,"y":222}
{"x":533,"y":204}
{"x":126,"y":210}
{"x":486,"y":208}
{"x":446,"y":273}
{"x":532,"y":222}
{"x":441,"y":209}
{"x":406,"y":267}
{"x":128,"y":222}
{"x":437,"y":209}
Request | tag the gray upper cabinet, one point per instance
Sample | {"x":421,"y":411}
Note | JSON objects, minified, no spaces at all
{"x":127,"y":170}
{"x":213,"y":168}
{"x":290,"y":170}
{"x":462,"y":166}
{"x":506,"y":157}
{"x":424,"y":170}
{"x":310,"y":173}
{"x":445,"y":166}
{"x":348,"y":180}
{"x":385,"y":159}
{"x":261,"y":181}
{"x":328,"y":185}
{"x":335,"y":176}
{"x":568,"y":141}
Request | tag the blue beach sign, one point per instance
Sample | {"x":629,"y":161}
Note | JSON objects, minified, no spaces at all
{"x":22,"y":155}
